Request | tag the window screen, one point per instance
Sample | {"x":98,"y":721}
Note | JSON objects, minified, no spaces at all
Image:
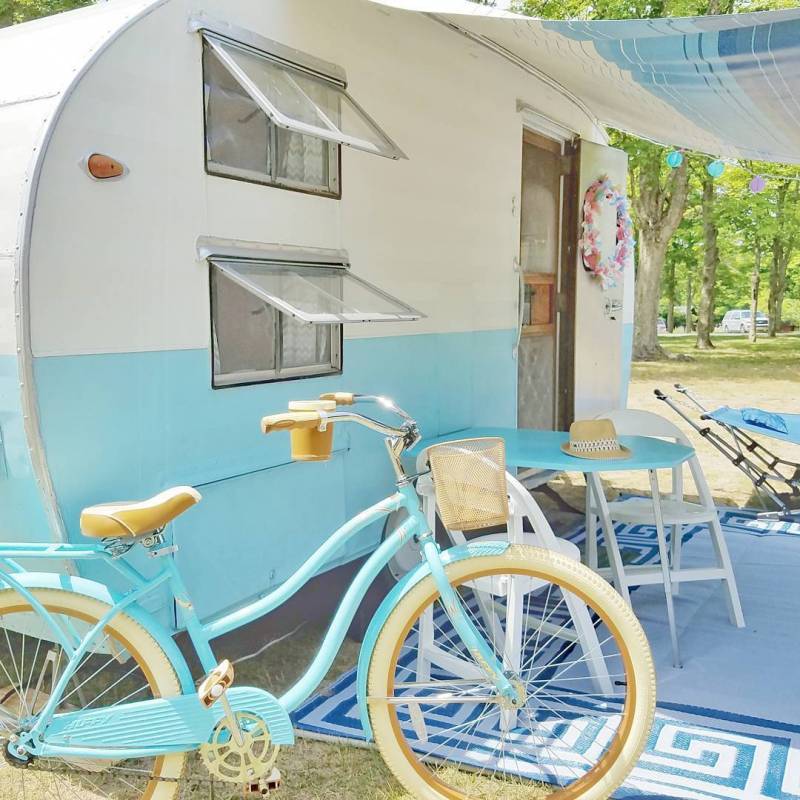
{"x":243,"y":142}
{"x":316,"y":293}
{"x":302,"y":100}
{"x":253,"y":342}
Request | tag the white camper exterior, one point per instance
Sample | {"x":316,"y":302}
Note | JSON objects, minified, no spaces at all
{"x":106,"y":354}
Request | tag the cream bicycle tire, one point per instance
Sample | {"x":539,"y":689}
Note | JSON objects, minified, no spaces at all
{"x":610,"y":771}
{"x":163,"y":780}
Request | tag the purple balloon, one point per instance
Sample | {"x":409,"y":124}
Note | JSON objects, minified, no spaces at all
{"x":758,"y":184}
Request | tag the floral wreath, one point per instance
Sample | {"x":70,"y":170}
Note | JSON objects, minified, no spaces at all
{"x":610,"y":268}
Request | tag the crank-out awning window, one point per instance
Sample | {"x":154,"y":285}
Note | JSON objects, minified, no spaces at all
{"x":318,"y":293}
{"x":300,"y":99}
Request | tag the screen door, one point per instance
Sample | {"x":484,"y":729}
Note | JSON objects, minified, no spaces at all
{"x":547,"y":256}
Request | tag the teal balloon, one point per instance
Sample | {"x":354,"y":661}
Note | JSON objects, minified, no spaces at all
{"x":715,"y":168}
{"x":675,"y":159}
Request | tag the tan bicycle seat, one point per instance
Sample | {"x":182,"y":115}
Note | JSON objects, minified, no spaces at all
{"x":137,"y":517}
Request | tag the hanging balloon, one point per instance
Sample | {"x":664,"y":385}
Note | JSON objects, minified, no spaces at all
{"x":675,"y":159}
{"x":758,"y":184}
{"x":716,"y":168}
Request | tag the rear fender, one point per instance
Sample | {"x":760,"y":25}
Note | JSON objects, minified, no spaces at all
{"x":449,"y":556}
{"x":98,"y":591}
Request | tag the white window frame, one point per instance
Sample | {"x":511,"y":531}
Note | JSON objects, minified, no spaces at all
{"x":211,"y":249}
{"x":270,"y":176}
{"x":219,"y":37}
{"x":405,"y":312}
{"x":220,"y":380}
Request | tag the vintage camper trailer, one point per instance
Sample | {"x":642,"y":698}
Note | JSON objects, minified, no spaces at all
{"x":210,"y":209}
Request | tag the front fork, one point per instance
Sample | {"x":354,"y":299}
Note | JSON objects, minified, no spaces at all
{"x":454,"y":607}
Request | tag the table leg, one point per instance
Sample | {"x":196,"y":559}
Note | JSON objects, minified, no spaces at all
{"x":591,"y":530}
{"x":610,"y":537}
{"x":663,"y":553}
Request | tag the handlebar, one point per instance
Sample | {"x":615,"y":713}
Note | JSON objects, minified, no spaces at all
{"x":351,"y":399}
{"x":295,"y":420}
{"x":291,"y":420}
{"x":340,"y":398}
{"x":313,"y":423}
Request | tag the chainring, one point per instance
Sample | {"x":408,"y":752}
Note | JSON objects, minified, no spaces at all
{"x":231,"y":762}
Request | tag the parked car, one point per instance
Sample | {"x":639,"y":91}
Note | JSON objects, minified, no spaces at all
{"x":737,"y":320}
{"x":661,"y":325}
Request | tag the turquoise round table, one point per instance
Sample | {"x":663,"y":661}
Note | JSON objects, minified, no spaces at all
{"x":533,"y":449}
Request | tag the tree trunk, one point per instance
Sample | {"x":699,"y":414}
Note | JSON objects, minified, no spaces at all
{"x":671,"y":297}
{"x":689,"y":303}
{"x":705,"y":313}
{"x":652,"y":254}
{"x":658,"y":209}
{"x":755,"y":282}
{"x":783,"y":246}
{"x":777,"y":285}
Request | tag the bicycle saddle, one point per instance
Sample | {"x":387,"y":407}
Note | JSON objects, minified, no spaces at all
{"x":136,"y":518}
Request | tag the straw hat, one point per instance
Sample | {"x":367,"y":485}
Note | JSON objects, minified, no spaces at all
{"x":594,"y":438}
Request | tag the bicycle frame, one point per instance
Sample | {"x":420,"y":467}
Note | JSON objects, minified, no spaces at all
{"x":203,"y":633}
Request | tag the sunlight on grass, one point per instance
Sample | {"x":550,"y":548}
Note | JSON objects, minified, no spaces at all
{"x":733,"y":359}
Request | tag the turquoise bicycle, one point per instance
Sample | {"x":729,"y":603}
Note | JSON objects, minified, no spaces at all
{"x":97,"y":701}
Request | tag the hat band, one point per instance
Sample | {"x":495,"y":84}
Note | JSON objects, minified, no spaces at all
{"x":594,"y":445}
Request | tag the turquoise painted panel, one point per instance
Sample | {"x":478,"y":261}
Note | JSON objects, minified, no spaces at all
{"x":22,"y":515}
{"x":250,"y":532}
{"x":127,"y":425}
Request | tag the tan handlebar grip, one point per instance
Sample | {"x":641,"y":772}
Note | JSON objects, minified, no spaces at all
{"x":290,"y":420}
{"x":340,"y":398}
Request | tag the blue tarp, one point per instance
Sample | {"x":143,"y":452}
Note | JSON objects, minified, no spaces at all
{"x":725,"y":85}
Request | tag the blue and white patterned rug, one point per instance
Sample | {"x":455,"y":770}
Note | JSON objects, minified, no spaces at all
{"x":719,"y":749}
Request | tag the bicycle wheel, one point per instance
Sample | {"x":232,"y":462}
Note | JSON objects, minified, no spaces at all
{"x":439,"y":722}
{"x":126,"y":664}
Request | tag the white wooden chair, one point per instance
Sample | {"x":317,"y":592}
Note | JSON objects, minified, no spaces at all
{"x":521,"y":506}
{"x":676,"y":511}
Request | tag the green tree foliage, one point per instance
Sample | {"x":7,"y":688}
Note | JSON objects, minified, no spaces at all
{"x":15,"y":11}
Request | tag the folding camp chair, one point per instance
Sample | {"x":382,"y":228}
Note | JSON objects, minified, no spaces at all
{"x":766,"y":471}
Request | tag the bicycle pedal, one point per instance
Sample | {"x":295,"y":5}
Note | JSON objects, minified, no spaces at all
{"x":216,"y":683}
{"x":264,"y":786}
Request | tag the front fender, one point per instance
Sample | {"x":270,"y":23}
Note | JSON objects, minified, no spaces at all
{"x":98,"y":591}
{"x":449,"y":556}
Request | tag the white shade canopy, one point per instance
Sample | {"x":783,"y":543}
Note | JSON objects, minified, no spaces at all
{"x":724,"y":85}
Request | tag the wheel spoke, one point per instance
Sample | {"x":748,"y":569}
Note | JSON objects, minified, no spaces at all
{"x":459,"y":729}
{"x":33,"y":662}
